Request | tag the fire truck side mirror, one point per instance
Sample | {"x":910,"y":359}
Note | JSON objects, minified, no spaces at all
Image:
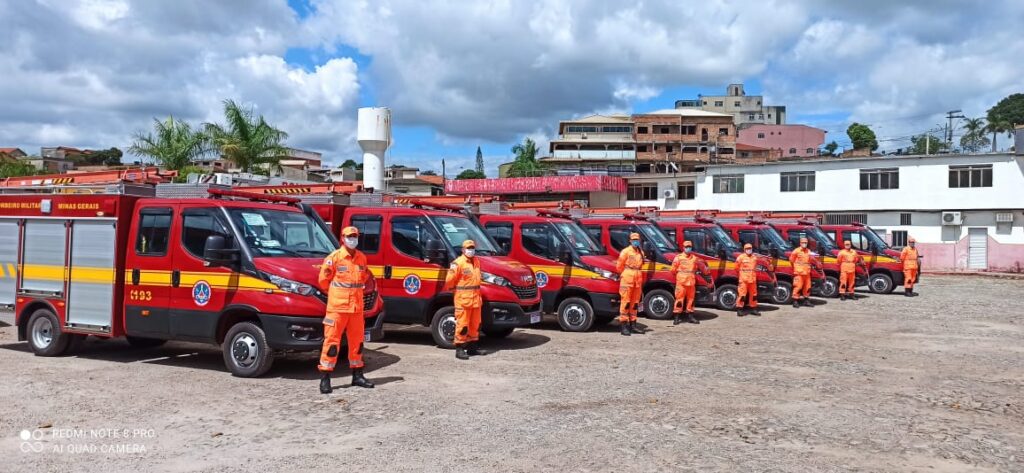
{"x":565,"y":255}
{"x":774,"y":252}
{"x":436,"y":253}
{"x":722,"y":255}
{"x":649,"y":250}
{"x":874,"y":249}
{"x":215,"y":250}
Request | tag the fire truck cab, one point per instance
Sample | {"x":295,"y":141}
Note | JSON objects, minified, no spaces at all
{"x":885,"y":271}
{"x":612,"y":232}
{"x":234,"y":269}
{"x":577,"y":280}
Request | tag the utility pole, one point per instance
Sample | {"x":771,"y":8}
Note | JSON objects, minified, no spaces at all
{"x":950,"y":115}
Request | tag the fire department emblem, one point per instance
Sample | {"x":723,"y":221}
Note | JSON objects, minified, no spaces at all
{"x":542,"y":279}
{"x":201,"y":293}
{"x":412,"y":284}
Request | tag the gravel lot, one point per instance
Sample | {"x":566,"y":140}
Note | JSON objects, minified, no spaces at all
{"x":886,"y":383}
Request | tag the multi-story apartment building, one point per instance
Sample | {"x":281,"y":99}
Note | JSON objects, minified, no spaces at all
{"x":745,"y":109}
{"x":674,"y":140}
{"x":598,"y":144}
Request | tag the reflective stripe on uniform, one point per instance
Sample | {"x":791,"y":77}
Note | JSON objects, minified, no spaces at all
{"x":466,"y":288}
{"x":347,"y":285}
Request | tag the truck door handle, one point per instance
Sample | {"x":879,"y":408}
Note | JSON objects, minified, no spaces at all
{"x":175,"y":278}
{"x":387,"y":272}
{"x":135,"y":277}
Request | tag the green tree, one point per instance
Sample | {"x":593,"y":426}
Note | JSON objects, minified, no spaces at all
{"x":17,"y":169}
{"x":104,"y":157}
{"x":247,"y":139}
{"x":974,"y":138}
{"x":350,"y":164}
{"x":997,"y":125}
{"x":862,"y":137}
{"x":525,"y":163}
{"x":429,"y":172}
{"x":479,"y":160}
{"x":1009,"y":110}
{"x":185,"y":171}
{"x":471,"y":174}
{"x":926,"y":144}
{"x":830,"y":149}
{"x":172,"y":144}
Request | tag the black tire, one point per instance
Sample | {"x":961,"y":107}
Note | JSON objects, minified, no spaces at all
{"x":726,"y":296}
{"x":829,"y":288}
{"x":442,"y":327}
{"x":783,"y":293}
{"x":143,"y":342}
{"x":499,"y":332}
{"x":658,"y":304}
{"x":575,"y":314}
{"x":246,"y":351}
{"x":880,"y":283}
{"x":44,"y":334}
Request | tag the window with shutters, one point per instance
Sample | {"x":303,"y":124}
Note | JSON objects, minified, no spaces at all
{"x":905,"y":219}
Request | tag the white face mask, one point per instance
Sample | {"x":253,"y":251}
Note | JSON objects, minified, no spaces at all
{"x":469,"y":252}
{"x":749,"y":252}
{"x":803,"y":245}
{"x":351,"y":242}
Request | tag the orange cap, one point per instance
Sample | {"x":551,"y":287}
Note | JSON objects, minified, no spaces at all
{"x":468,"y":244}
{"x":350,"y":231}
{"x":748,"y":246}
{"x":634,"y":236}
{"x":687,"y":244}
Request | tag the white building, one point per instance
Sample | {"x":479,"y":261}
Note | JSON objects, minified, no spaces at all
{"x":965,"y":211}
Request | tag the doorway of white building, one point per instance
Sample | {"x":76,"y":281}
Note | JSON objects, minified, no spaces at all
{"x":977,"y":248}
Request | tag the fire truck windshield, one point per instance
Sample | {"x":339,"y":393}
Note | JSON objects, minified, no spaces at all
{"x":578,"y":239}
{"x":825,"y":244}
{"x":721,"y":241}
{"x":655,"y":236}
{"x":875,"y":240}
{"x":459,"y":229}
{"x":773,"y":238}
{"x":276,"y":233}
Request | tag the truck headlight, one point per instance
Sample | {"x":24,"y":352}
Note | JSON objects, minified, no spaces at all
{"x":763,"y":268}
{"x":494,"y":279}
{"x":607,"y":274}
{"x":287,"y":285}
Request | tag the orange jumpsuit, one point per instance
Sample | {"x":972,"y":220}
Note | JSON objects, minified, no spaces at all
{"x":464,"y":277}
{"x":631,"y":282}
{"x":847,"y":260}
{"x":909,"y":258}
{"x":683,"y":267}
{"x":801,"y":259}
{"x":343,"y":275}
{"x":747,"y":267}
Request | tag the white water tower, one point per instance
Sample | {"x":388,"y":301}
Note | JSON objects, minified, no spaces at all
{"x":374,"y":135}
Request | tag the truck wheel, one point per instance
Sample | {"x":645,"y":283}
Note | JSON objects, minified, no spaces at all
{"x":442,"y":327}
{"x":783,"y":293}
{"x":44,"y":334}
{"x":658,"y":304}
{"x":727,"y":295}
{"x":143,"y":342}
{"x":246,"y":351}
{"x":575,"y":314}
{"x":880,"y":283}
{"x":499,"y":332}
{"x":830,"y":287}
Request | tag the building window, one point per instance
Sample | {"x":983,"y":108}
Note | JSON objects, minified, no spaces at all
{"x":723,"y":132}
{"x":728,"y":184}
{"x":810,"y":150}
{"x":668,"y":148}
{"x":689,"y":129}
{"x":760,"y":136}
{"x":617,"y":129}
{"x":750,"y":116}
{"x":905,"y":218}
{"x":735,"y":104}
{"x":970,"y":176}
{"x":875,"y":179}
{"x":646,"y":191}
{"x":725,"y":150}
{"x":641,"y":130}
{"x":792,"y":151}
{"x":641,"y":148}
{"x":686,"y":190}
{"x":797,"y":181}
{"x":845,"y":218}
{"x":705,"y":102}
{"x":581,"y":129}
{"x":719,"y":103}
{"x":663,"y":130}
{"x":899,"y":238}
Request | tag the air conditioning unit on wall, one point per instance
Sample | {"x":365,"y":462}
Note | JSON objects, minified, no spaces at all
{"x":668,"y":194}
{"x":952,"y":218}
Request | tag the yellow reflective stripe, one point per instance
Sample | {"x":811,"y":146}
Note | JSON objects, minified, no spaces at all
{"x":346,"y":285}
{"x":575,"y":272}
{"x":225,"y":281}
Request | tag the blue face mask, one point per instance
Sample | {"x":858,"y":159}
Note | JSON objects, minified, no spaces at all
{"x":636,"y":244}
{"x":687,"y":249}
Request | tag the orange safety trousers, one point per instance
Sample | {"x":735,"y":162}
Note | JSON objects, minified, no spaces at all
{"x":847,"y":282}
{"x":684,"y":293}
{"x":801,"y":286}
{"x":909,"y":277}
{"x":746,"y":290}
{"x":335,"y":323}
{"x":629,"y":304}
{"x":467,"y":324}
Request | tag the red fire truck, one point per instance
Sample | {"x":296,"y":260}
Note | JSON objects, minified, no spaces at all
{"x":577,"y":279}
{"x":235,"y":269}
{"x":885,"y":271}
{"x":712,"y":244}
{"x":767,"y":241}
{"x":410,"y":247}
{"x":819,"y":242}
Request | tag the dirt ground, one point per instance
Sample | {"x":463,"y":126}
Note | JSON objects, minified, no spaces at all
{"x":886,"y":383}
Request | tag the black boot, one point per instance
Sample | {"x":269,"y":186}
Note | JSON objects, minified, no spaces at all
{"x":633,"y":328}
{"x":807,"y":302}
{"x":624,"y":328}
{"x":842,"y":296}
{"x":460,"y":352}
{"x":677,"y":319}
{"x":754,"y":311}
{"x":325,"y":383}
{"x":359,"y":380}
{"x":691,"y":319}
{"x":740,"y":312}
{"x":796,"y":303}
{"x":473,"y":350}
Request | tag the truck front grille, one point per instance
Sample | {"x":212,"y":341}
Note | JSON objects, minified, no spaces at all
{"x":368,"y":299}
{"x":525,"y":292}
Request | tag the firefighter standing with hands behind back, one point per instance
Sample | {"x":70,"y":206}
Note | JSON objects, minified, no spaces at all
{"x":684,"y":267}
{"x":801,"y":259}
{"x":343,"y":275}
{"x":847,"y":259}
{"x":747,"y":289}
{"x":464,"y":277}
{"x":631,"y":283}
{"x":909,"y":257}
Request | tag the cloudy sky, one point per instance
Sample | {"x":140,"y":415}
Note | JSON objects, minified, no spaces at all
{"x":459,"y":74}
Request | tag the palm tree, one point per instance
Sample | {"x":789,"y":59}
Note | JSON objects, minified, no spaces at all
{"x":974,"y":138}
{"x":247,"y":139}
{"x":996,"y":126}
{"x":173,"y":144}
{"x":526,"y":164}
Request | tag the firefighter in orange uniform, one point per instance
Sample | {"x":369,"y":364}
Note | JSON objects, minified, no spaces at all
{"x":464,"y":278}
{"x":909,"y":258}
{"x":801,"y":259}
{"x":343,"y":275}
{"x":847,"y":259}
{"x":746,"y":264}
{"x":631,"y":282}
{"x":684,"y":267}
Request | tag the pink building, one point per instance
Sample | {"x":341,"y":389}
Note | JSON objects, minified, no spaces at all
{"x":789,"y":140}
